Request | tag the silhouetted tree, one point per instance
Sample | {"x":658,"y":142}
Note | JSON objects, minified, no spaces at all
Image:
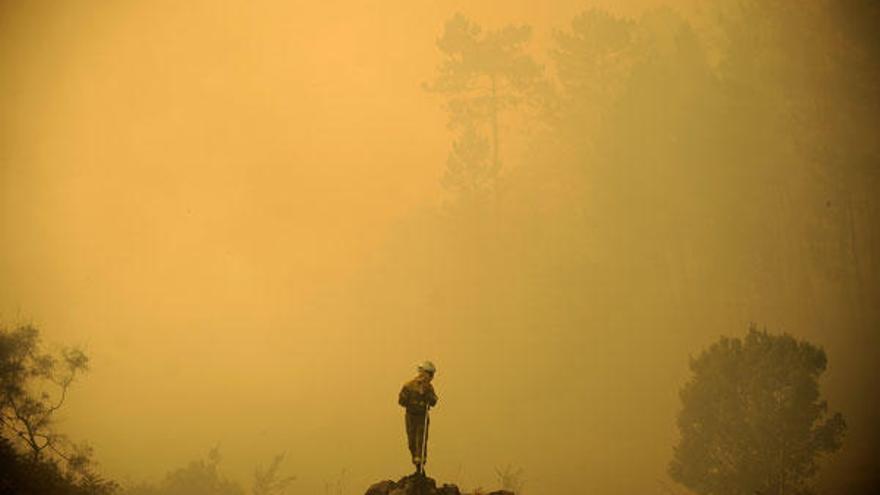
{"x":33,"y":386}
{"x":200,"y":477}
{"x":337,"y":486}
{"x":483,"y":73}
{"x":27,"y":415}
{"x":22,"y":475}
{"x":268,"y":481}
{"x":510,"y":479}
{"x":752,"y":420}
{"x":593,"y":61}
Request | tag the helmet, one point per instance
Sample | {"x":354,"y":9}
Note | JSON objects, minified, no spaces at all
{"x":427,"y":366}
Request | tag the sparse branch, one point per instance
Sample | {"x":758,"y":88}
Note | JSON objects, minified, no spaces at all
{"x":268,"y":482}
{"x":64,"y":384}
{"x":35,"y":386}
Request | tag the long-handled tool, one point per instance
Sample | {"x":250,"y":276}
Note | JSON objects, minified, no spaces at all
{"x":424,"y":452}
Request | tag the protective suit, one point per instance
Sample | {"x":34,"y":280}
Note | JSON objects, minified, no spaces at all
{"x":416,"y":396}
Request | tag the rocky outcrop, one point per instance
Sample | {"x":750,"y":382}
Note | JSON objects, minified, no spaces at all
{"x":418,"y":484}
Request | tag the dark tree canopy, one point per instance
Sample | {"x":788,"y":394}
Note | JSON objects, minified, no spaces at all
{"x":752,"y":419}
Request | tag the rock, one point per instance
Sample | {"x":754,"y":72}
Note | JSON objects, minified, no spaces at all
{"x":414,"y":484}
{"x":381,"y":488}
{"x":419,"y":484}
{"x":448,"y":489}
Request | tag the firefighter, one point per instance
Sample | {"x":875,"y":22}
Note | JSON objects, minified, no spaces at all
{"x":417,"y":396}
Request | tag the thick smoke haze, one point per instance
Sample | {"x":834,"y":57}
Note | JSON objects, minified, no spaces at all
{"x":242,"y":212}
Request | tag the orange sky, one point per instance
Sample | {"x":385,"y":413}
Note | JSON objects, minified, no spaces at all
{"x":192,"y":191}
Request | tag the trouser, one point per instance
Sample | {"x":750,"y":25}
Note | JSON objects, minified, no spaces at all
{"x":415,"y":433}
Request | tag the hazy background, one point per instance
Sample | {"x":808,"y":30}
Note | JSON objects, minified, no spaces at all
{"x":236,"y":209}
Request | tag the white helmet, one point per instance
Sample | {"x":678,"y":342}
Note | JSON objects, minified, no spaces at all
{"x":428,"y":366}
